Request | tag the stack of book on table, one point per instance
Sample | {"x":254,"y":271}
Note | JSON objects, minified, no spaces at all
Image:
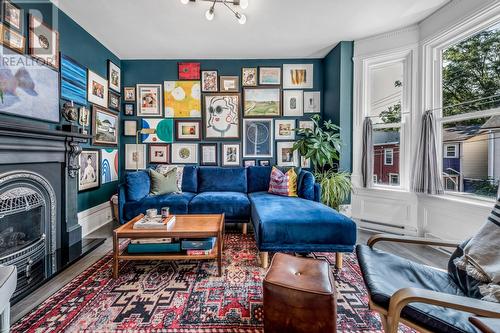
{"x":154,"y":245}
{"x":154,"y":222}
{"x":199,"y":246}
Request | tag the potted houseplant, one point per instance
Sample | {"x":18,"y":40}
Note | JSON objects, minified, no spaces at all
{"x":322,"y":146}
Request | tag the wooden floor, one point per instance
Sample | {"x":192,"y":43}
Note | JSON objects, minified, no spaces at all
{"x":423,"y":254}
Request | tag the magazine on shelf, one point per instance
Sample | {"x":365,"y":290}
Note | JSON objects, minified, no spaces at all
{"x":151,"y":241}
{"x":154,"y":223}
{"x":199,"y":252}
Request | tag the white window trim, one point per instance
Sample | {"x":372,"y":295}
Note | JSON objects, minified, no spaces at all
{"x":374,"y":178}
{"x":445,"y":149}
{"x":386,"y":154}
{"x":390,"y":177}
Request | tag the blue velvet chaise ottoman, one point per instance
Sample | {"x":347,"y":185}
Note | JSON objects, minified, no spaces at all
{"x":281,"y":224}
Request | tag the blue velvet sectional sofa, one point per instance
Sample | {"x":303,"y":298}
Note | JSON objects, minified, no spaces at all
{"x":281,"y":224}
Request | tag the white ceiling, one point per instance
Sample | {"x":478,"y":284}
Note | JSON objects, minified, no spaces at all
{"x":167,"y":29}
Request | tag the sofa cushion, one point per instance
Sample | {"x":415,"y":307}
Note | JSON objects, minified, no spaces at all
{"x":163,"y":184}
{"x":385,"y":273}
{"x":283,"y":183}
{"x":306,"y":185}
{"x":178,"y":203}
{"x":258,"y":178}
{"x":138,"y":185}
{"x":190,"y":179}
{"x":235,"y":205}
{"x":216,"y":179}
{"x":300,"y":225}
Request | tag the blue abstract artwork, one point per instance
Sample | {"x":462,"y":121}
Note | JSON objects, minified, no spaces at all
{"x":258,"y":138}
{"x":73,"y":81}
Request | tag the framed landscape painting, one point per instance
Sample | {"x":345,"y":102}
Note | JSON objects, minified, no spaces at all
{"x":104,"y":127}
{"x":109,"y":165}
{"x":222,"y":116}
{"x":189,"y":70}
{"x":97,"y":89}
{"x":89,"y":172}
{"x":258,"y":138}
{"x":182,"y":99}
{"x":73,"y":81}
{"x":261,"y":102}
{"x":164,"y":130}
{"x":298,"y":76}
{"x":149,"y":100}
{"x":270,"y":76}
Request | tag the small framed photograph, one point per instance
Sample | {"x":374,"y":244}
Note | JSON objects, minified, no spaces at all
{"x":128,"y":109}
{"x":89,"y":173}
{"x":305,"y":163}
{"x":12,"y":16}
{"x":229,"y":84}
{"x":208,"y":154}
{"x":135,"y":156}
{"x":298,"y":76}
{"x":97,"y":89}
{"x":114,"y":76}
{"x":284,"y":129}
{"x":189,"y":70}
{"x":249,"y":163}
{"x":231,"y":155}
{"x":43,"y":42}
{"x":104,"y":127}
{"x":249,"y":76}
{"x":184,"y":153}
{"x":270,"y":76}
{"x":187,"y":130}
{"x":209,"y":81}
{"x":12,"y":39}
{"x":130,"y":127}
{"x":312,"y":101}
{"x":306,"y":124}
{"x":285,"y":155}
{"x":293,"y":103}
{"x":264,"y":162}
{"x":114,"y":101}
{"x":149,"y":100}
{"x":129,"y":94}
{"x":159,"y":154}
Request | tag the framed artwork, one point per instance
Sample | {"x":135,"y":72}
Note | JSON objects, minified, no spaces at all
{"x":187,"y":130}
{"x":264,"y":163}
{"x":97,"y":91}
{"x":114,"y":76}
{"x":128,"y":109}
{"x":104,"y":127}
{"x":306,"y":124}
{"x":129,"y":94}
{"x":184,"y":153}
{"x":293,"y":103}
{"x":261,"y":102}
{"x":189,"y":70}
{"x":284,"y":129}
{"x":43,"y":42}
{"x":298,"y":76}
{"x":88,"y":175}
{"x":229,"y":84}
{"x":114,"y":101}
{"x":258,"y":138}
{"x":12,"y":39}
{"x":209,"y":82}
{"x":149,"y":100}
{"x":305,"y":163}
{"x":208,"y":154}
{"x":231,"y":154}
{"x":249,"y":163}
{"x":12,"y":16}
{"x":312,"y":101}
{"x":270,"y":76}
{"x":222,"y":116}
{"x":249,"y":76}
{"x":109,"y":165}
{"x":83,"y":116}
{"x":159,"y":153}
{"x":285,"y":155}
{"x":73,"y":81}
{"x":182,"y":99}
{"x":135,"y":157}
{"x":130,"y":127}
{"x":39,"y":100}
{"x":164,"y":130}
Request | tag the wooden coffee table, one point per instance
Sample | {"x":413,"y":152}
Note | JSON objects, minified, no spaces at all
{"x":185,"y":226}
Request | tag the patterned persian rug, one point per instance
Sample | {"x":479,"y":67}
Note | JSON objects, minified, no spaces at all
{"x":185,"y":296}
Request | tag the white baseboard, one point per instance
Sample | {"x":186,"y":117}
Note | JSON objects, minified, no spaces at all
{"x":95,"y":217}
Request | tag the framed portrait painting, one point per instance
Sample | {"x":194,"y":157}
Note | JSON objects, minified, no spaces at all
{"x":293,"y":103}
{"x":231,"y":155}
{"x":184,"y":153}
{"x":249,"y":76}
{"x":114,"y":101}
{"x":89,"y":172}
{"x":298,"y":76}
{"x":209,"y":81}
{"x":208,"y":154}
{"x":159,"y":154}
{"x":104,"y":127}
{"x":285,"y":155}
{"x":97,"y":89}
{"x":257,"y":138}
{"x":189,"y":70}
{"x":182,"y":99}
{"x":312,"y":101}
{"x":12,"y":16}
{"x":284,"y":129}
{"x":73,"y":81}
{"x":261,"y":102}
{"x":270,"y":76}
{"x":187,"y":130}
{"x":149,"y":100}
{"x":114,"y":76}
{"x":229,"y":84}
{"x":43,"y":42}
{"x":129,"y":94}
{"x":222,"y":116}
{"x":135,"y":156}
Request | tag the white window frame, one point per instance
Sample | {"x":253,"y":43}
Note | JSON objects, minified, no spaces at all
{"x":375,"y":178}
{"x":455,"y":152}
{"x":392,"y":175}
{"x":386,"y":154}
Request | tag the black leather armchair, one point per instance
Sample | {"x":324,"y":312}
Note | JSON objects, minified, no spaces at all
{"x":422,"y":297}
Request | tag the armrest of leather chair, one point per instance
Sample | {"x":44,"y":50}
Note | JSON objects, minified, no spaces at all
{"x":405,"y":296}
{"x":410,"y":240}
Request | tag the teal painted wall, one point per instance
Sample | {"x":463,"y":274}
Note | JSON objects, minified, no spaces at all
{"x":78,"y":44}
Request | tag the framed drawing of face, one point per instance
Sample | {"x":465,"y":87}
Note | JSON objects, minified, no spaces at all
{"x":149,"y":100}
{"x":285,"y":155}
{"x":129,"y":94}
{"x":249,"y":76}
{"x":208,"y":154}
{"x":184,"y":153}
{"x":43,"y":42}
{"x":231,"y":155}
{"x":159,"y":153}
{"x":187,"y":130}
{"x":97,"y":89}
{"x":209,"y":82}
{"x":257,"y":137}
{"x":88,"y":175}
{"x":114,"y":76}
{"x":229,"y":84}
{"x":222,"y":116}
{"x":104,"y":127}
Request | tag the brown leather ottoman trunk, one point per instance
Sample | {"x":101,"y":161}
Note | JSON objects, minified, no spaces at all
{"x":299,"y":296}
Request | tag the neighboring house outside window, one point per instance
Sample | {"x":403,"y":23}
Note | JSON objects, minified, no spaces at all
{"x":388,"y":156}
{"x":393,"y":179}
{"x":451,"y":151}
{"x":386,"y":148}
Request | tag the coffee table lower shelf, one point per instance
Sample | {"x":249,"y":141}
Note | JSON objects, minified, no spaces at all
{"x":165,"y":256}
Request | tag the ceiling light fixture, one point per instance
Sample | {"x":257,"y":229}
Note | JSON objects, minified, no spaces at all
{"x":210,"y":13}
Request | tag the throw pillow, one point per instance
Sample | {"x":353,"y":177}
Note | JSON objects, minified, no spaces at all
{"x":283,"y":183}
{"x":163,"y":184}
{"x":164,"y":169}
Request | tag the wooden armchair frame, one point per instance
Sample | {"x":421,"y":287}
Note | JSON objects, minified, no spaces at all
{"x":392,"y":317}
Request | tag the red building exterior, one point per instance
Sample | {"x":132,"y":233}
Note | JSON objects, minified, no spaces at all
{"x":386,"y":163}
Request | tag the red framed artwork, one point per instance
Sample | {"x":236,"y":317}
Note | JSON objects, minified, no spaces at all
{"x":189,"y":70}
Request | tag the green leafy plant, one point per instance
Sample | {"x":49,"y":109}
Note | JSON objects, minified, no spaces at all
{"x":335,"y":187}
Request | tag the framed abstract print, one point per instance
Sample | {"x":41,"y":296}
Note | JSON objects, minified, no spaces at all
{"x":89,"y":172}
{"x":261,"y":102}
{"x":43,"y":42}
{"x":231,"y":155}
{"x":264,"y":163}
{"x":73,"y":81}
{"x":164,"y":130}
{"x":114,"y":76}
{"x":184,"y":153}
{"x":209,"y":81}
{"x":284,"y":129}
{"x":257,"y":138}
{"x":97,"y":89}
{"x":135,"y":156}
{"x":189,"y":70}
{"x":159,"y":153}
{"x":182,"y":99}
{"x":109,"y":165}
{"x":104,"y":127}
{"x":129,"y":94}
{"x":221,"y":116}
{"x":12,"y":16}
{"x":293,"y":103}
{"x":114,"y":101}
{"x":285,"y":155}
{"x":249,"y":76}
{"x":128,"y":109}
{"x":187,"y":130}
{"x":229,"y":84}
{"x":249,"y":163}
{"x":12,"y":39}
{"x":298,"y":76}
{"x":208,"y":154}
{"x":312,"y":102}
{"x":270,"y":76}
{"x":149,"y":100}
{"x":130,"y":127}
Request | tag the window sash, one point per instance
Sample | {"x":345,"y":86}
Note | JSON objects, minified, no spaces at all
{"x":389,"y":155}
